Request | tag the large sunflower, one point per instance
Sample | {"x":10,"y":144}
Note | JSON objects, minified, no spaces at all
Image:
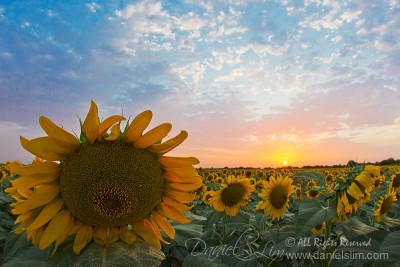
{"x":103,"y":186}
{"x":276,"y":196}
{"x":384,"y":205}
{"x":232,"y":195}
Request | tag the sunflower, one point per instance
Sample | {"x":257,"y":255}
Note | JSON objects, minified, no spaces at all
{"x":298,"y":192}
{"x":384,"y":205}
{"x":311,"y":184}
{"x":276,"y":196}
{"x":102,"y":186}
{"x":313,"y":194}
{"x":318,"y":229}
{"x":207,"y":196}
{"x":232,"y":195}
{"x":395,"y":182}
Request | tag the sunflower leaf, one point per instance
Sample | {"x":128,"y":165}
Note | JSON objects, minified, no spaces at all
{"x":312,"y":213}
{"x":116,"y":254}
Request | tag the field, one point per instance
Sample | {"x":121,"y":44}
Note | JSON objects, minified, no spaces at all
{"x":253,"y":217}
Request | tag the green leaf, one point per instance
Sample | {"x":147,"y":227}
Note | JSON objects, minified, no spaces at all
{"x":316,"y":176}
{"x":311,"y":213}
{"x":391,"y":246}
{"x":117,"y":254}
{"x":355,"y":228}
{"x":185,"y":232}
{"x":212,"y":218}
{"x":19,"y":252}
{"x":4,"y":198}
{"x":201,"y":261}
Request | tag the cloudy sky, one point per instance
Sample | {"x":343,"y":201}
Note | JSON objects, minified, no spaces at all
{"x":253,"y":82}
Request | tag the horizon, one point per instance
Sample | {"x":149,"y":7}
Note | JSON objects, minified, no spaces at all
{"x":254,"y":83}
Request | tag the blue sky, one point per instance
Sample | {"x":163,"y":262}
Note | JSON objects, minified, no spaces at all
{"x":253,"y":82}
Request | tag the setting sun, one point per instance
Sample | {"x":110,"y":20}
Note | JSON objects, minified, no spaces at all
{"x":285,"y":163}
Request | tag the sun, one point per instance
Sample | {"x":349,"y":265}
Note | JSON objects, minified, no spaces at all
{"x":284,"y":163}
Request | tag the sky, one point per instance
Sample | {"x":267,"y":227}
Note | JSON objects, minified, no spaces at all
{"x":254,"y":83}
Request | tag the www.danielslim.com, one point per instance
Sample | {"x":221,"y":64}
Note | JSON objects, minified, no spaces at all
{"x":338,"y":255}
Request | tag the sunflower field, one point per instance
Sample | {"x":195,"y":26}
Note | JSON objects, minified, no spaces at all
{"x":112,"y":197}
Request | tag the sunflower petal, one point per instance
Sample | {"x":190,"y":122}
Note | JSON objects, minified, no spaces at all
{"x":181,"y":196}
{"x":47,"y":214}
{"x":173,"y":178}
{"x":172,"y":213}
{"x":138,"y":125}
{"x":151,"y":224}
{"x":82,"y":238}
{"x":55,"y":228}
{"x":100,"y":235}
{"x":57,"y":133}
{"x":43,"y":195}
{"x":30,"y":182}
{"x":44,"y":147}
{"x":169,"y":144}
{"x":40,"y":169}
{"x":65,"y":233}
{"x":142,"y":229}
{"x":23,"y":217}
{"x":115,"y":132}
{"x":184,"y":171}
{"x":175,"y":203}
{"x":107,"y":123}
{"x":177,"y":162}
{"x":184,"y":187}
{"x":91,"y":124}
{"x":153,"y":136}
{"x":164,"y":225}
{"x":127,"y":235}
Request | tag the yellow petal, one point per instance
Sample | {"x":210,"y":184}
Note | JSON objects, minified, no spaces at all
{"x":23,"y":217}
{"x":183,"y":172}
{"x":100,"y":235}
{"x":47,"y":214}
{"x":65,"y":233}
{"x":153,"y":136}
{"x":174,"y":178}
{"x":22,"y":227}
{"x":43,"y":195}
{"x":175,"y":203}
{"x":181,"y":196}
{"x":127,"y":235}
{"x":138,"y":125}
{"x":82,"y":238}
{"x":164,"y":225}
{"x":169,"y":144}
{"x":57,"y":133}
{"x":184,"y":187}
{"x":91,"y":124}
{"x":177,"y":162}
{"x":107,"y":123}
{"x":26,"y":193}
{"x":55,"y":228}
{"x":41,"y":169}
{"x":142,"y":229}
{"x":151,"y":224}
{"x":105,"y":235}
{"x":30,"y":182}
{"x":115,"y":132}
{"x":354,"y":191}
{"x":44,"y":147}
{"x":172,"y":213}
{"x":37,"y":236}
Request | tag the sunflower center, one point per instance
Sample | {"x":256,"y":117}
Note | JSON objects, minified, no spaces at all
{"x":396,"y":181}
{"x":111,"y":183}
{"x":233,"y":194}
{"x":278,"y":197}
{"x":313,"y":193}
